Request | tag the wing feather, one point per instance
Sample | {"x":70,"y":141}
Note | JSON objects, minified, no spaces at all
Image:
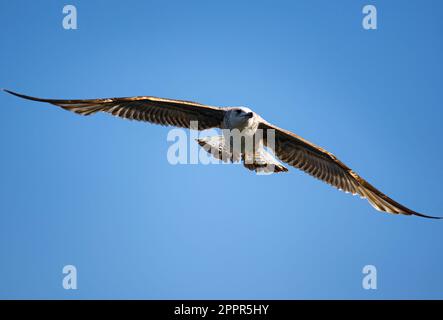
{"x":321,"y":164}
{"x":161,"y":111}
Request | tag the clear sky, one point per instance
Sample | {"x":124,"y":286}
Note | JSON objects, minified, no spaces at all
{"x":98,"y":192}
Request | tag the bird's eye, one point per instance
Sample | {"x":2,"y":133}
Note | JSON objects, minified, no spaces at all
{"x":237,"y":111}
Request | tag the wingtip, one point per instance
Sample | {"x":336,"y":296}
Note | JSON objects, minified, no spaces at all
{"x":23,"y":96}
{"x":426,"y":216}
{"x":10,"y":92}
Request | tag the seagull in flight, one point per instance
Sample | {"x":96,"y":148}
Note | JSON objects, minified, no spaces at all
{"x":288,"y":147}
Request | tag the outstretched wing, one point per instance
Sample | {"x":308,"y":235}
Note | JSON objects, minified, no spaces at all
{"x":161,"y":111}
{"x":321,"y":164}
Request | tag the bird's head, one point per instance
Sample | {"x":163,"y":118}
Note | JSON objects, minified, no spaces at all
{"x":240,"y":117}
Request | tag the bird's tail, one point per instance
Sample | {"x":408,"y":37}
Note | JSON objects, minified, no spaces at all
{"x":259,"y":160}
{"x":262,"y":161}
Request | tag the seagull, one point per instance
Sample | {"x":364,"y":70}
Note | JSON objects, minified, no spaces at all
{"x":287,"y":146}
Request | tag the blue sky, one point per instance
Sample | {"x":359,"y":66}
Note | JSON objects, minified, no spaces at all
{"x":99,"y":193}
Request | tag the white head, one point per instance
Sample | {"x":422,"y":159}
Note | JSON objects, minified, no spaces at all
{"x":240,"y":117}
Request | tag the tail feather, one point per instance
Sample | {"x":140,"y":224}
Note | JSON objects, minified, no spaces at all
{"x":263,"y":162}
{"x":260,"y":161}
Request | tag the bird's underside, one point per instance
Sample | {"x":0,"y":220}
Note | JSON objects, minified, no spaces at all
{"x":287,"y":146}
{"x":258,"y":160}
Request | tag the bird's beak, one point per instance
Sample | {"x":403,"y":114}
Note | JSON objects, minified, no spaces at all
{"x":249,"y":115}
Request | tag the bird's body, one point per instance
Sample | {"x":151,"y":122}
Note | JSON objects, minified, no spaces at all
{"x":246,"y":137}
{"x":242,"y":140}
